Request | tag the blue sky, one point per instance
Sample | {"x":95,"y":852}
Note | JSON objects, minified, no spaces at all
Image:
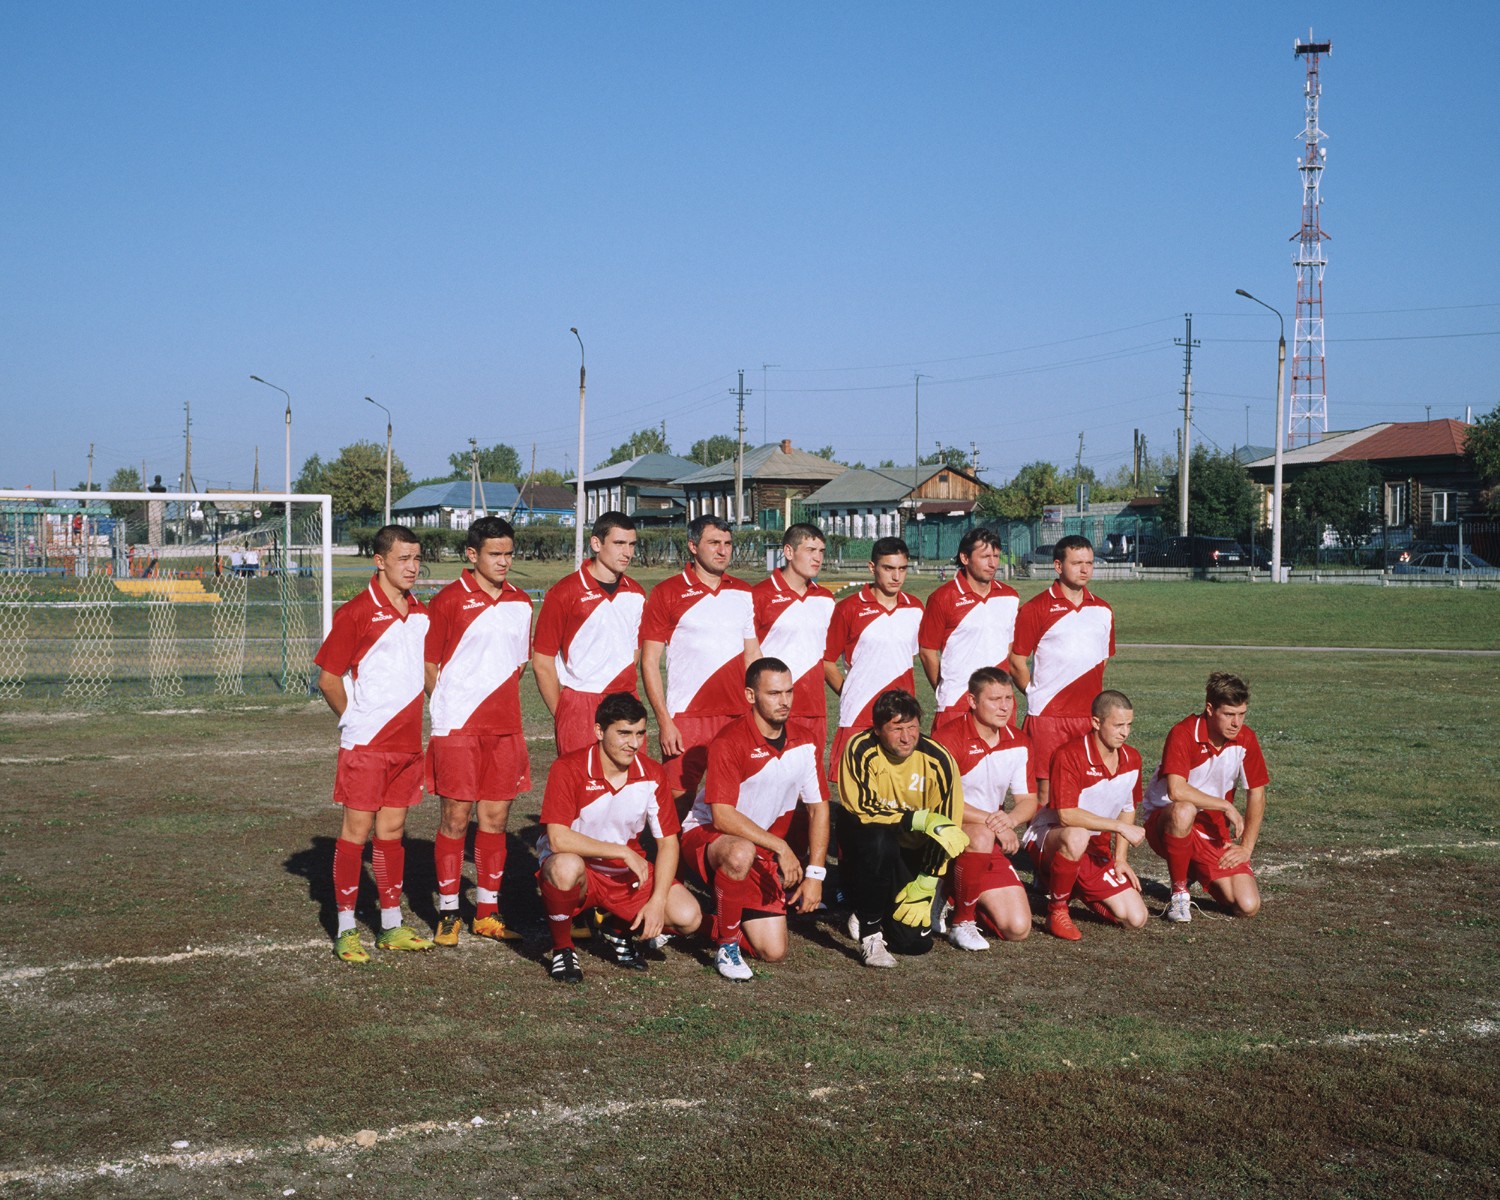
{"x":416,"y":202}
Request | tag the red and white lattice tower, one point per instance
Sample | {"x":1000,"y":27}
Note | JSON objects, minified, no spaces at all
{"x":1308,"y":418}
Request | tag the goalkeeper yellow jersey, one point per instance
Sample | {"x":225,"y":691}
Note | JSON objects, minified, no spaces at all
{"x":880,"y":791}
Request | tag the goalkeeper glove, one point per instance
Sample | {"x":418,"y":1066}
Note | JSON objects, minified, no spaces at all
{"x":944,"y":832}
{"x":914,"y":902}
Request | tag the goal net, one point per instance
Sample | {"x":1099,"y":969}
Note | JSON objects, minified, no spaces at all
{"x":112,"y":597}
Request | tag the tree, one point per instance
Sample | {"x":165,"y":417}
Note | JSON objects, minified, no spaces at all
{"x":548,"y":477}
{"x":126,"y":479}
{"x":356,"y":480}
{"x":951,"y":456}
{"x":310,"y":478}
{"x":498,"y":463}
{"x":1334,"y":495}
{"x":1221,"y":496}
{"x":1035,"y":486}
{"x":825,"y":452}
{"x":714,"y":450}
{"x":1482,"y":448}
{"x":642,"y":441}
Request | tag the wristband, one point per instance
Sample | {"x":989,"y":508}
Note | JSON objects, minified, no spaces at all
{"x":818,"y":874}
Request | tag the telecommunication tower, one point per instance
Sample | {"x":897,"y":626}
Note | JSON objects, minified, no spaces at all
{"x":1308,"y":418}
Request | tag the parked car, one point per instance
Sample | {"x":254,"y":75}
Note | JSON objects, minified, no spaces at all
{"x":1041,"y":556}
{"x":1201,"y":553}
{"x":1445,"y":562}
{"x":1127,"y":547}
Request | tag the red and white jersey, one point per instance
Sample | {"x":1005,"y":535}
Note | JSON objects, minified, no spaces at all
{"x":379,"y":654}
{"x":969,"y":631}
{"x":1216,"y":771}
{"x":705,"y":631}
{"x":1081,"y":780}
{"x":879,"y":644}
{"x":989,"y":772}
{"x":590,"y":633}
{"x":480,"y":644}
{"x":794,"y":629}
{"x":579,"y":796}
{"x":748,"y":773}
{"x":1071,"y":645}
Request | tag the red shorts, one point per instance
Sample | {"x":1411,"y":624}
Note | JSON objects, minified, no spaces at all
{"x":478,"y":766}
{"x":573,"y":722}
{"x":1097,"y":878}
{"x":996,"y":873}
{"x":369,"y":780}
{"x":764,"y":875}
{"x":840,"y":739}
{"x":816,"y":728}
{"x":1049,"y":734}
{"x":685,"y":770}
{"x":613,"y":890}
{"x":952,"y":713}
{"x":1204,"y":867}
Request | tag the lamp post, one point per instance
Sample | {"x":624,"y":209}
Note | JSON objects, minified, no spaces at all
{"x":387,"y":412}
{"x":286,"y":545}
{"x":1276,"y":574}
{"x":578,"y":518}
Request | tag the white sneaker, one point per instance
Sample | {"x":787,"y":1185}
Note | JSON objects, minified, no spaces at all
{"x":659,"y":942}
{"x":1180,"y":908}
{"x":873,"y":950}
{"x":731,"y":965}
{"x":853,"y":927}
{"x":966,"y":936}
{"x":941,"y":911}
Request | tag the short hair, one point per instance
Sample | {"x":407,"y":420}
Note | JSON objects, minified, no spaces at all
{"x":801,"y":532}
{"x":482,"y":529}
{"x":764,"y":666}
{"x":896,"y":705}
{"x":886,"y":546}
{"x":610,"y":521}
{"x":1107,"y":701}
{"x":1074,"y":541}
{"x":388,"y":535}
{"x":1224,"y":688}
{"x":982,"y":536}
{"x":986,"y":676}
{"x":698,"y":525}
{"x":619,"y":707}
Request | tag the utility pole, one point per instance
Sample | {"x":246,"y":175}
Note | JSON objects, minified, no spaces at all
{"x":89,"y":486}
{"x":1185,"y":446}
{"x":1135,"y":458}
{"x":739,"y":458}
{"x":187,"y":433}
{"x":974,"y":458}
{"x":473,"y":475}
{"x":1078,"y":474}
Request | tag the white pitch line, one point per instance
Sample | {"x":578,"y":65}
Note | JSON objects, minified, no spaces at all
{"x":185,"y":1159}
{"x":1373,"y":852}
{"x":19,"y":974}
{"x":1314,"y":649}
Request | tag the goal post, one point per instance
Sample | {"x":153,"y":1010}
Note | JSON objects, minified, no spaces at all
{"x":112,"y":596}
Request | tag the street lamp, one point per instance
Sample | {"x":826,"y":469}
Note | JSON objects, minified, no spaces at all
{"x":1280,"y":440}
{"x":387,"y":412}
{"x":286,"y":545}
{"x":578,"y":518}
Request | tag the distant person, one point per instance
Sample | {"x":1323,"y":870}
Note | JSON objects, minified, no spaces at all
{"x":598,"y":800}
{"x":1071,"y":632}
{"x":968,"y":623}
{"x":1081,"y":838}
{"x":371,"y":675}
{"x":994,"y":761}
{"x":701,"y":622}
{"x":252,"y":562}
{"x":1191,"y":819}
{"x":901,"y":808}
{"x":587,"y":641}
{"x":478,"y":645}
{"x":792,"y":614}
{"x":874,"y":632}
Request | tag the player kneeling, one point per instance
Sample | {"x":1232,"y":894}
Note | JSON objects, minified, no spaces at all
{"x":597,"y":802}
{"x":734,"y":839}
{"x":994,"y":758}
{"x":1096,"y":785}
{"x":1191,"y":820}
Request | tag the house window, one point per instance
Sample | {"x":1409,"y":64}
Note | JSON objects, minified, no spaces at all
{"x":1397,"y":503}
{"x":1444,"y":507}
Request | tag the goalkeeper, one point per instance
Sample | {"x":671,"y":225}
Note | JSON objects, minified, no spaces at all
{"x":900,"y":825}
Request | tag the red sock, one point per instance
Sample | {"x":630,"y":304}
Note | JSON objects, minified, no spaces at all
{"x":489,"y":866}
{"x":448,"y":859}
{"x":967,"y":868}
{"x":730,"y":898}
{"x":1179,"y":860}
{"x":390,"y":870}
{"x":560,"y":907}
{"x":1062,"y":873}
{"x":348,"y":859}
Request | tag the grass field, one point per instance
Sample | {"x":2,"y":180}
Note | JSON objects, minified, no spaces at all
{"x":176,"y":1025}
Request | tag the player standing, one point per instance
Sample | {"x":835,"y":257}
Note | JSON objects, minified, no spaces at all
{"x":875,"y":632}
{"x":371,"y":675}
{"x":1096,"y":789}
{"x":734,"y":839}
{"x":704,"y":621}
{"x":901,"y":808}
{"x":478,"y":644}
{"x":1191,"y":820}
{"x":968,"y":623}
{"x":596,"y":804}
{"x":994,"y":758}
{"x":792,"y":613}
{"x":587,"y":640}
{"x":1072,"y":634}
